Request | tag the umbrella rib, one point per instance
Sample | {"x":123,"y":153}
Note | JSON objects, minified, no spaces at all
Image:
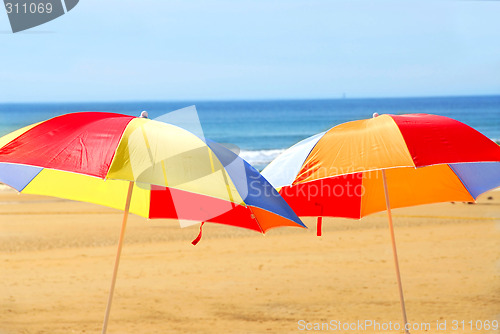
{"x":226,"y":182}
{"x":255,"y":218}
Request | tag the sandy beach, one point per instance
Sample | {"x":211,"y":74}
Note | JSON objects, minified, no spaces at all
{"x":57,"y":256}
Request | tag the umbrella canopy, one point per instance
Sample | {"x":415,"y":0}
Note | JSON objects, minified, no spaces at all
{"x":426,"y":158}
{"x":366,"y":166}
{"x":150,"y":168}
{"x":91,"y":156}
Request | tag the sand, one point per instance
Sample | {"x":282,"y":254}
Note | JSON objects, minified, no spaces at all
{"x":56,"y":260}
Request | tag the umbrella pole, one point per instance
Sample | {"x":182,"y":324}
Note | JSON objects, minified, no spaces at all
{"x":118,"y":254}
{"x":394,"y":252}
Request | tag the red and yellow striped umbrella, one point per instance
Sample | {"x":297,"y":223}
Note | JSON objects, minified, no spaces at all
{"x":92,"y":156}
{"x":150,"y":168}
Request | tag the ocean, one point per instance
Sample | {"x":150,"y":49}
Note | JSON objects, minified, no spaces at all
{"x":263,"y":129}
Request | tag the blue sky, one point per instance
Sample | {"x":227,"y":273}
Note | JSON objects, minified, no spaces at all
{"x":212,"y":50}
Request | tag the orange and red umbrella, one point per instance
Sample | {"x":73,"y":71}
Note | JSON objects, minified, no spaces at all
{"x":390,"y":161}
{"x":426,"y":158}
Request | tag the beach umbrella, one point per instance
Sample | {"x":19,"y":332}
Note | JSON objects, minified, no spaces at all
{"x":142,"y":166}
{"x":389,"y":161}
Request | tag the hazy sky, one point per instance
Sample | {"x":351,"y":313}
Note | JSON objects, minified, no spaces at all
{"x":259,"y":49}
